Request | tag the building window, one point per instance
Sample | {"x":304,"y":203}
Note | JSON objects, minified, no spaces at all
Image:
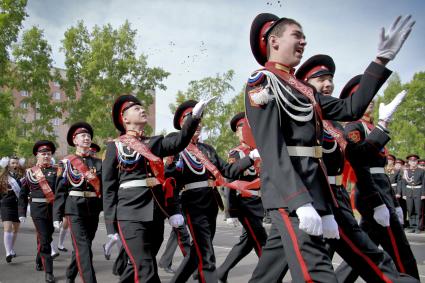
{"x":56,"y":95}
{"x":56,"y":122}
{"x":24,"y":93}
{"x":24,"y":105}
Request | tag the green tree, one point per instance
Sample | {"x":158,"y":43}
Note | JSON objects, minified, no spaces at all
{"x":12,"y":13}
{"x":216,"y":117}
{"x":101,"y":65}
{"x":32,"y":73}
{"x":408,"y":124}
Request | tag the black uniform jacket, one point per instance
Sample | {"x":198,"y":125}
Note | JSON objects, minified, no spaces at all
{"x":32,"y":189}
{"x":65,"y":204}
{"x":137,"y":203}
{"x":413,"y":182}
{"x":365,"y":150}
{"x":203,"y":198}
{"x":287,"y":181}
{"x":236,"y":204}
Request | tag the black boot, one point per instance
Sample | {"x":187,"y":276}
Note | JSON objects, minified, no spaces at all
{"x":50,"y":278}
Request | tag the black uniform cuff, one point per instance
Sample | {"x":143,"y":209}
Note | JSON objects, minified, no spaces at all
{"x":378,"y":138}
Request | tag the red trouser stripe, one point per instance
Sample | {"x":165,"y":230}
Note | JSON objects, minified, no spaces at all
{"x":251,"y":231}
{"x":77,"y":253}
{"x":362,"y":255}
{"x":179,"y":242}
{"x":198,"y":251}
{"x":396,"y":252}
{"x":127,"y":249}
{"x":39,"y":247}
{"x":288,"y":224}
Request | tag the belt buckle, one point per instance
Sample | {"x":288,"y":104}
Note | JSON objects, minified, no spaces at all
{"x":317,"y":151}
{"x":151,"y":182}
{"x":338,"y":180}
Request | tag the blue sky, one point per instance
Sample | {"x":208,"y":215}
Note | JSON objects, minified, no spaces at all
{"x":215,"y":34}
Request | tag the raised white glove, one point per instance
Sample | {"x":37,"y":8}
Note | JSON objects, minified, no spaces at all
{"x":382,"y":215}
{"x":386,"y":111}
{"x":310,"y":221}
{"x":254,"y":154}
{"x":391,"y":42}
{"x":22,"y":219}
{"x":57,"y":224}
{"x":232,"y":221}
{"x":400,"y":215}
{"x":176,"y":220}
{"x":200,"y":106}
{"x":330,"y":227}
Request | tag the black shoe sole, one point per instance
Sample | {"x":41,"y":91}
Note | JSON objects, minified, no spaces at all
{"x":63,"y":250}
{"x":9,"y":258}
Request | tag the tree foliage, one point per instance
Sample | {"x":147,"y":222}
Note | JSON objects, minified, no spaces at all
{"x":101,"y":64}
{"x":12,"y":14}
{"x":31,"y":72}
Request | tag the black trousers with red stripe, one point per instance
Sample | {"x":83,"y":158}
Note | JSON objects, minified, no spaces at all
{"x":354,"y":246}
{"x":178,"y":237}
{"x":253,"y":236}
{"x":414,"y":207}
{"x":141,"y":240}
{"x":83,"y":231}
{"x":202,"y":226}
{"x":45,"y":229}
{"x":392,"y":239}
{"x":306,"y":255}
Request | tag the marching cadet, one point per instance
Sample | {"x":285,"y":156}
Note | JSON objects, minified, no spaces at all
{"x":198,"y":170}
{"x":178,"y":236}
{"x":354,"y":245}
{"x":393,"y":173}
{"x":247,"y":208}
{"x":133,"y":172}
{"x":10,"y":187}
{"x":286,"y":119}
{"x":39,"y":184}
{"x":78,"y":198}
{"x":375,"y":200}
{"x":399,"y":166}
{"x":413,"y":188}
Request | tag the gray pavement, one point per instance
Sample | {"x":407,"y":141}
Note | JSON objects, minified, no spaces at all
{"x":22,"y":269}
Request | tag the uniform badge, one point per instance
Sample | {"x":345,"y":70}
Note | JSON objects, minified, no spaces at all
{"x":354,"y":136}
{"x":93,"y":170}
{"x":232,"y":160}
{"x":258,"y":96}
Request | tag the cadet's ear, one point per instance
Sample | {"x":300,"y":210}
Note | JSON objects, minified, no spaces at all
{"x":273,"y":42}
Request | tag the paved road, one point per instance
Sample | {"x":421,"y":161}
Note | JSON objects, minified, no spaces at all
{"x":22,"y":269}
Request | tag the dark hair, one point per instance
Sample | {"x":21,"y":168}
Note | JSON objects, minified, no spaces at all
{"x":4,"y":182}
{"x":279,"y":29}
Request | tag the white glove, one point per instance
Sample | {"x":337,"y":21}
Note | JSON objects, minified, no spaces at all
{"x":254,"y":154}
{"x":57,"y":224}
{"x":310,"y":221}
{"x":330,"y":227}
{"x":391,"y":42}
{"x":176,"y":220}
{"x":22,"y":219}
{"x":232,"y":221}
{"x":382,"y":215}
{"x":200,"y":106}
{"x":386,"y":111}
{"x":400,"y":215}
